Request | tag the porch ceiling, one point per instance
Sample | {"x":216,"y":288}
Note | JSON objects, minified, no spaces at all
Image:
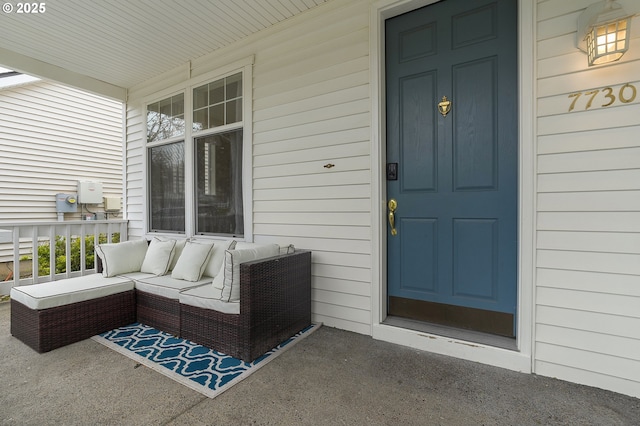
{"x":110,"y":46}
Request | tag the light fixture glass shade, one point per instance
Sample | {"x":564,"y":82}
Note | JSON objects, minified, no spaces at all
{"x":604,"y":32}
{"x":608,"y":42}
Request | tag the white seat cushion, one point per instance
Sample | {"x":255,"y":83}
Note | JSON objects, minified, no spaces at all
{"x":208,"y":297}
{"x":166,"y":286}
{"x":70,"y":290}
{"x":134,"y":276}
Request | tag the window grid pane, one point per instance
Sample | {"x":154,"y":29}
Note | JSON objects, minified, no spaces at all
{"x":219,"y":101}
{"x":165,"y":119}
{"x":216,"y":92}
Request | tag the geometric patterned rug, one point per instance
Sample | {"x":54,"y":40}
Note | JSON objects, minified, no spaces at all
{"x":201,"y":369}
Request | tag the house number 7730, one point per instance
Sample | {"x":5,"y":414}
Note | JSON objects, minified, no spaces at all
{"x":626,"y":94}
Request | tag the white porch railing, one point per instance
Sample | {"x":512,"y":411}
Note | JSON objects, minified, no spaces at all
{"x":30,"y":241}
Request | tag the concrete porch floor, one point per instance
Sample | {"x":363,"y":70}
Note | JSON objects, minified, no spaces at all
{"x":333,"y":377}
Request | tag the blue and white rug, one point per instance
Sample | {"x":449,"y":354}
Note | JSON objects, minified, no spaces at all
{"x":200,"y":368}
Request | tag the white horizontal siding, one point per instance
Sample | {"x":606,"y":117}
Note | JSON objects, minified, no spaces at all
{"x":313,"y":218}
{"x":51,"y":136}
{"x":590,"y":221}
{"x":596,"y":322}
{"x":588,"y":281}
{"x":588,"y":341}
{"x":607,"y":180}
{"x":590,"y":201}
{"x":606,"y":159}
{"x":622,"y":263}
{"x":350,"y":144}
{"x":588,"y":211}
{"x":584,"y":375}
{"x":580,"y":369}
{"x":580,"y":121}
{"x":311,"y":109}
{"x":607,"y":242}
{"x":621,"y":137}
{"x":601,"y":302}
{"x":564,"y":58}
{"x":344,"y":193}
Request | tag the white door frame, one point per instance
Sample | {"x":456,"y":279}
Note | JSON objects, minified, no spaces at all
{"x":520,"y":359}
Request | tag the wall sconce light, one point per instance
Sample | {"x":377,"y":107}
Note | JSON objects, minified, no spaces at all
{"x":603,"y":32}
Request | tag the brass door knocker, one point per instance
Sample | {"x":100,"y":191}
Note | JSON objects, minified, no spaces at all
{"x":444,"y":106}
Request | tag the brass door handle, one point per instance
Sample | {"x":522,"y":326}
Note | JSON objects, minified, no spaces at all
{"x":393,"y":205}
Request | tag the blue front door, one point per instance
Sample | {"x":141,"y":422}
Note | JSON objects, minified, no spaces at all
{"x":452,"y":150}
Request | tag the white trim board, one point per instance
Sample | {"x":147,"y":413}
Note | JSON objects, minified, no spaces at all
{"x":47,"y":71}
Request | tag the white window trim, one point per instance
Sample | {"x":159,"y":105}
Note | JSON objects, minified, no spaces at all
{"x":246,"y":67}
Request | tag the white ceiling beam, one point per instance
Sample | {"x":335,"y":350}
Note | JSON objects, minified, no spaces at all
{"x":34,"y":67}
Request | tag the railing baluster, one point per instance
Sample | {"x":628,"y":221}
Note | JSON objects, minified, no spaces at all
{"x":67,"y":252}
{"x":30,"y":232}
{"x":83,"y":249}
{"x":34,"y":250}
{"x":96,"y":240}
{"x":124,"y":229}
{"x":52,"y":252}
{"x":16,"y":256}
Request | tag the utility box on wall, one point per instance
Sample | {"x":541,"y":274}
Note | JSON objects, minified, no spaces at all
{"x":66,"y":203}
{"x":112,"y":204}
{"x":89,"y":192}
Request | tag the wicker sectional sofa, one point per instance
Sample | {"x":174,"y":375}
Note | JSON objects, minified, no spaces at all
{"x":240,"y":300}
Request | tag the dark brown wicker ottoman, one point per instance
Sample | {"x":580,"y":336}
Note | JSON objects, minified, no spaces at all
{"x":275,"y":304}
{"x":48,"y":329}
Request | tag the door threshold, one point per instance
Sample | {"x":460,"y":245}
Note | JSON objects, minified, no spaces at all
{"x":502,"y":342}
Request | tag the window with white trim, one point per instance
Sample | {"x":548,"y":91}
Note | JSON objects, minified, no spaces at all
{"x":205,"y":146}
{"x":165,"y":142}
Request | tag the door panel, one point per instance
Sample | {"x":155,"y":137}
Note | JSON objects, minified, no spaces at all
{"x":474,"y":26}
{"x":417,"y":42}
{"x":418,"y":255}
{"x":475,"y":258}
{"x":456,"y":190}
{"x":418,"y":135}
{"x":475,"y":124}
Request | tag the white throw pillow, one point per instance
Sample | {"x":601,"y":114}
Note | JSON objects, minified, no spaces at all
{"x":158,"y":257}
{"x":180,"y":243}
{"x":217,"y":257}
{"x":192,"y":261}
{"x":122,"y":258}
{"x":228,"y":280}
{"x":179,"y":247}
